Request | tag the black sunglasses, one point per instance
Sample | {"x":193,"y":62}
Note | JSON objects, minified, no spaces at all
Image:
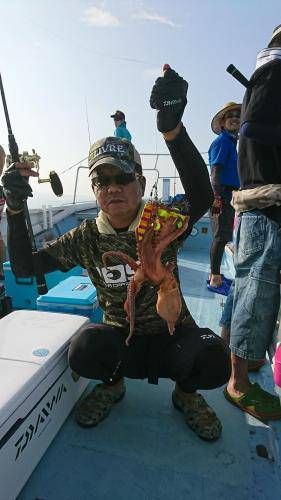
{"x":233,"y":114}
{"x":102,"y":181}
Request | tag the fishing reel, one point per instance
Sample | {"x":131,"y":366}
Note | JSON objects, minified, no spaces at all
{"x":53,"y":178}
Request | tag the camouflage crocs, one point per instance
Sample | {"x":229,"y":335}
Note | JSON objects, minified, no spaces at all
{"x":97,"y":404}
{"x":199,"y":416}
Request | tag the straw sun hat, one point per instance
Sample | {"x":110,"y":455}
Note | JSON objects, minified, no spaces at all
{"x":216,"y":121}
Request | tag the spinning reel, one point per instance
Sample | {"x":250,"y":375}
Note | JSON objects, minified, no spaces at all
{"x":53,"y":178}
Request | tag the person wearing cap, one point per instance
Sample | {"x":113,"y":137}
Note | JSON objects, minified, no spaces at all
{"x":195,"y":358}
{"x":224,"y":179}
{"x":2,"y":203}
{"x":120,"y":125}
{"x":258,"y":242}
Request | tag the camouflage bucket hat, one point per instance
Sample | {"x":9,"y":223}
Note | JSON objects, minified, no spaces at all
{"x":114,"y":151}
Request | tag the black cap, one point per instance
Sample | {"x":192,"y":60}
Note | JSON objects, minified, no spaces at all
{"x":115,"y":151}
{"x":118,"y":115}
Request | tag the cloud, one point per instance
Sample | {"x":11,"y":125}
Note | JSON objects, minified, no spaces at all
{"x":153,"y":16}
{"x":101,"y":18}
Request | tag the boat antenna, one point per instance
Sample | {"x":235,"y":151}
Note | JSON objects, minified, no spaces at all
{"x":14,"y":152}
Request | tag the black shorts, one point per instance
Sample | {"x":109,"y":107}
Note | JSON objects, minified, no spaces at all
{"x":194,"y":357}
{"x":222,"y":225}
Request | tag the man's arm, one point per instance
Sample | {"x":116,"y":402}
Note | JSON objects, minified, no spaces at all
{"x":192,"y":171}
{"x":168,"y":97}
{"x":216,"y":178}
{"x":270,"y":135}
{"x":16,"y":191}
{"x":20,"y":250}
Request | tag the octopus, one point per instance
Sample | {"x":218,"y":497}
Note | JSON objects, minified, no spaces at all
{"x":159,"y":225}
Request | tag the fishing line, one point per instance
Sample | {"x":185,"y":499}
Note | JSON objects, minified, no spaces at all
{"x":95,"y":52}
{"x":74,"y":165}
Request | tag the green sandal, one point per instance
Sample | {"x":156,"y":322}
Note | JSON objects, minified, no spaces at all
{"x":199,"y":416}
{"x":258,"y":403}
{"x":97,"y":404}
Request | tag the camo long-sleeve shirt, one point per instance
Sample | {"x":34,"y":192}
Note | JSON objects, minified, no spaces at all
{"x":85,"y":245}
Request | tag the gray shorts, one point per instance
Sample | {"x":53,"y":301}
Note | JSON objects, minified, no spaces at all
{"x":257,"y":260}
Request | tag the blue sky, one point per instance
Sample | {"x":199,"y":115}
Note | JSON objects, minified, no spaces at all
{"x":58,"y":55}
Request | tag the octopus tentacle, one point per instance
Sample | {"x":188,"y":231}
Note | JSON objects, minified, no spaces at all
{"x":129,"y":307}
{"x":134,"y":286}
{"x":151,"y":263}
{"x":158,"y":227}
{"x":168,"y":304}
{"x":132,"y":263}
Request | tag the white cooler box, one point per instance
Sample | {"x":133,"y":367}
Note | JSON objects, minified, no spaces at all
{"x":37,"y":390}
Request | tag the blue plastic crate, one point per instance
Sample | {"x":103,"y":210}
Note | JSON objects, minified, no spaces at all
{"x":75,"y":295}
{"x":23,"y":291}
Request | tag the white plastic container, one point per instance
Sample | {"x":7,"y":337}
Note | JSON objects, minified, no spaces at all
{"x":37,"y":390}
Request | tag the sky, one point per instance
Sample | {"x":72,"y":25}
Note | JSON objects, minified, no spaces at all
{"x":67,"y":65}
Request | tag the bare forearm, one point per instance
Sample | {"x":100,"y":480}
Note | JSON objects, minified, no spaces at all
{"x":216,"y":178}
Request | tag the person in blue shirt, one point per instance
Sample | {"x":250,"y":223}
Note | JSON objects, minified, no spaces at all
{"x":224,"y":179}
{"x":120,"y":125}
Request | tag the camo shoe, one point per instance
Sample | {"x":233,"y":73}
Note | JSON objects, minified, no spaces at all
{"x":199,"y":416}
{"x":97,"y":404}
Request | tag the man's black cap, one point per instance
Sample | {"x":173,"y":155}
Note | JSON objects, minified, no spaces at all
{"x":115,"y":151}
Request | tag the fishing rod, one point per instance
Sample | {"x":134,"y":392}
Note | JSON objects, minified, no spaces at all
{"x":56,"y":185}
{"x":238,"y":75}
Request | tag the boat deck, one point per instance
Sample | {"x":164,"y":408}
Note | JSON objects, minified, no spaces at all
{"x":144,"y":450}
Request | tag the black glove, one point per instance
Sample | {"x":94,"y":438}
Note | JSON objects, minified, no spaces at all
{"x":16,"y":188}
{"x":168,"y":96}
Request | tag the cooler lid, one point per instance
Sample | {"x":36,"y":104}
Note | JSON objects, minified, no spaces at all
{"x":17,"y":380}
{"x":73,"y":290}
{"x":37,"y":336}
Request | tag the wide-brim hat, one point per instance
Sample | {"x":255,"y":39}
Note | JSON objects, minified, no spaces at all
{"x":115,"y":151}
{"x":216,"y":121}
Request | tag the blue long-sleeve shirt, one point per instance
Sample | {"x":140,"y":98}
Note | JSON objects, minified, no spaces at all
{"x":122,"y":131}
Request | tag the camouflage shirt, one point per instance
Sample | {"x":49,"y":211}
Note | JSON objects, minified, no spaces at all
{"x":85,"y":246}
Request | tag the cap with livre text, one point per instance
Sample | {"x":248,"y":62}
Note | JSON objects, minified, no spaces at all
{"x":115,"y":151}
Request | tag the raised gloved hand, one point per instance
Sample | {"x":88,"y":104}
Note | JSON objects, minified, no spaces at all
{"x":217,"y":206}
{"x":15,"y":184}
{"x":168,"y":96}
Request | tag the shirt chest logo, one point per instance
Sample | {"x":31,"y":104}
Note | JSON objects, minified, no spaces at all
{"x":115,"y":276}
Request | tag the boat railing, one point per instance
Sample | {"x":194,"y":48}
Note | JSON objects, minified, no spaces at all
{"x":155,"y":168}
